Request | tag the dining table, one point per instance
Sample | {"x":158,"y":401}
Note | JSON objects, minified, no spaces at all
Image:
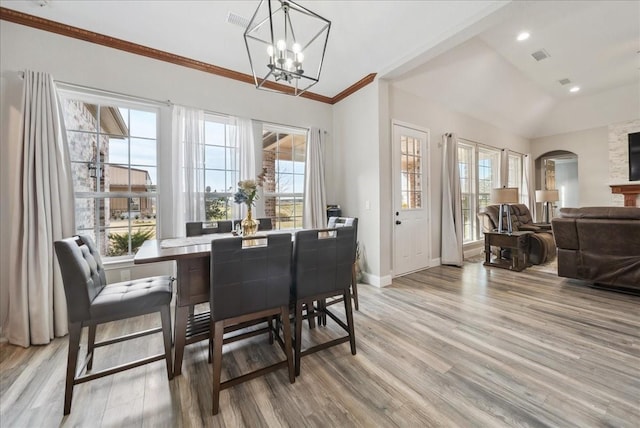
{"x":192,"y":256}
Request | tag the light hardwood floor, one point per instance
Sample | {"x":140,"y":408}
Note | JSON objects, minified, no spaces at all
{"x":442,"y":347}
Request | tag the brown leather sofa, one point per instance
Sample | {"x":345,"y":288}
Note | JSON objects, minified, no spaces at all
{"x":600,"y":245}
{"x":542,"y":247}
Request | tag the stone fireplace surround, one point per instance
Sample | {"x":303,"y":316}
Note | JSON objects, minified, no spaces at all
{"x":624,"y":192}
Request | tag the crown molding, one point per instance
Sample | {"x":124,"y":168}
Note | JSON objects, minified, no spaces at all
{"x":353,"y":88}
{"x":16,"y":17}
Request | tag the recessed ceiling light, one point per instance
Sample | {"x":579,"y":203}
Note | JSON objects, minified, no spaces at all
{"x":574,"y":89}
{"x":523,"y":36}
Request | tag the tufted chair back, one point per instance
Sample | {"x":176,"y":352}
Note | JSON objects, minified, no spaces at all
{"x":82,"y":273}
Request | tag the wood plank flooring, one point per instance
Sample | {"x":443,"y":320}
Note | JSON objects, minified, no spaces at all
{"x":443,"y":347}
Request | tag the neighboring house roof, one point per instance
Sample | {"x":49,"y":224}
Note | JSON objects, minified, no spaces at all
{"x":111,"y":121}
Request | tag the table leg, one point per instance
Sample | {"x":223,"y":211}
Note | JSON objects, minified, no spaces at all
{"x":180,"y":333}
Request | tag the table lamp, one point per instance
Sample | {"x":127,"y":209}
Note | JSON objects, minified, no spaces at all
{"x":505,"y":196}
{"x":547,"y":197}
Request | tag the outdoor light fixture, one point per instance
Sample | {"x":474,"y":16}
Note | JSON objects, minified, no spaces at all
{"x":505,"y":196}
{"x":286,"y":44}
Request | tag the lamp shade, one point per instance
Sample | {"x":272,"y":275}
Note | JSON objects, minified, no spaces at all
{"x":547,"y":195}
{"x":505,"y":195}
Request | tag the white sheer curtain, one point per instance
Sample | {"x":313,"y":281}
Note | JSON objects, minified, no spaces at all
{"x":451,"y":248}
{"x":504,"y":168}
{"x":528,"y":186}
{"x":244,"y":138}
{"x":315,"y":202}
{"x":37,"y":304}
{"x":188,"y":167}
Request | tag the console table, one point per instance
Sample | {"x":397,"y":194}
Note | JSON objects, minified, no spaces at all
{"x":518,"y":242}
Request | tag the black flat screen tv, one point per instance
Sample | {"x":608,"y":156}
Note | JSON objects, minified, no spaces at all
{"x":634,"y":156}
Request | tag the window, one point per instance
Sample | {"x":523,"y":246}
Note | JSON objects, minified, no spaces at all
{"x":113,"y":151}
{"x":220,"y":167}
{"x":515,"y":175}
{"x":283,"y":158}
{"x":479,"y":168}
{"x":466,"y":156}
{"x":411,"y":180}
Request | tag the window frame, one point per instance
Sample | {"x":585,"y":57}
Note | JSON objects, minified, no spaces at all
{"x":295,"y":194}
{"x":229,"y":144}
{"x":97,"y":98}
{"x":475,"y":148}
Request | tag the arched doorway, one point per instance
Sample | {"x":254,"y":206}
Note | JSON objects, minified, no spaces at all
{"x":558,"y":170}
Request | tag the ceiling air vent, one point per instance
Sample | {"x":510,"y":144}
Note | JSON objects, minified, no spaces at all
{"x":564,"y":81}
{"x":540,"y":55}
{"x":235,"y":19}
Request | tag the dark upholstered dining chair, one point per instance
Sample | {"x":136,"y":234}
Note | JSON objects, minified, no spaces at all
{"x":249,"y":285}
{"x":197,"y":228}
{"x":335,"y":222}
{"x":322,"y":265}
{"x":90,"y":302}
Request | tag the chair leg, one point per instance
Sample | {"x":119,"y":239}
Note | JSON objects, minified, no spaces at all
{"x":311,"y":314}
{"x":165,"y":315}
{"x":323,"y":314}
{"x":217,"y":329}
{"x":298,"y":339}
{"x":286,"y":332}
{"x":354,"y":286}
{"x":348,"y":311}
{"x":91,"y":341}
{"x":270,"y":326}
{"x":75,"y":330}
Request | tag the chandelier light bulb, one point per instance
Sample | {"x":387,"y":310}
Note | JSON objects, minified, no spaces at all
{"x":300,"y":57}
{"x":281,"y":45}
{"x":296,"y":48}
{"x":270,"y":50}
{"x":289,"y":63}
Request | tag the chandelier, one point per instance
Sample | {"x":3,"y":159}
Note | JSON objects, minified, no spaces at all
{"x":280,"y":52}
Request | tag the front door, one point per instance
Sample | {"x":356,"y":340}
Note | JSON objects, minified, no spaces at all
{"x":412,"y":240}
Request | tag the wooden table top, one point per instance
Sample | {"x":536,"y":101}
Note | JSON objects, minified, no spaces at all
{"x":152,"y":251}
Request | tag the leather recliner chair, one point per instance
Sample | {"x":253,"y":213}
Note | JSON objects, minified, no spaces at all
{"x":542,"y":247}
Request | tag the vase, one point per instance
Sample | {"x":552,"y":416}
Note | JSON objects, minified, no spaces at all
{"x":249,"y":225}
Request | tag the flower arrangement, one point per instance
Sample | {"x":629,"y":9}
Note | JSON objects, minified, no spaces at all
{"x":248,"y":190}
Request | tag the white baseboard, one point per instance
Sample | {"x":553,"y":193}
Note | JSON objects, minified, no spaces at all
{"x":435,"y":262}
{"x":375,"y":280}
{"x":473,"y":251}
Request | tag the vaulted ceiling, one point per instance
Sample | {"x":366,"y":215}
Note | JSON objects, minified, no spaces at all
{"x":462,"y":54}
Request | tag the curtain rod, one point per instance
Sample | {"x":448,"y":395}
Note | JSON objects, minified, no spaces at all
{"x":490,"y":146}
{"x":168,"y":103}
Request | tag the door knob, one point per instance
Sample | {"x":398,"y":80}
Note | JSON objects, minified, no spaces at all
{"x":398,"y":222}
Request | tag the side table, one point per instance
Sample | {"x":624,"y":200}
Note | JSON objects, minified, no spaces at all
{"x":518,"y":242}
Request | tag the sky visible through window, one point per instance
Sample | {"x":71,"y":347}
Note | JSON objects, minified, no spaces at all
{"x":143,"y":130}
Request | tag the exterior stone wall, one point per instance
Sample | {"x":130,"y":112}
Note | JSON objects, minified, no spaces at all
{"x":619,"y":155}
{"x":84,"y":149}
{"x":269,"y":165}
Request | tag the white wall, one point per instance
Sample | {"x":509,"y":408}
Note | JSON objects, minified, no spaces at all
{"x":568,"y":183}
{"x":591,"y":147}
{"x":82,"y":63}
{"x":412,"y":109}
{"x":357,"y":173}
